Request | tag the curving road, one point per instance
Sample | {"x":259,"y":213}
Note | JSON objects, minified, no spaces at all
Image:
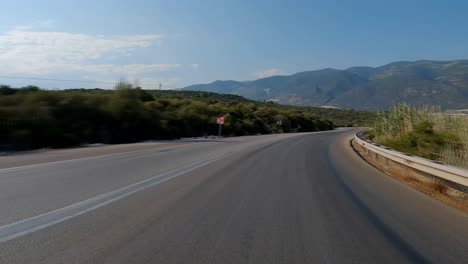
{"x":289,"y":198}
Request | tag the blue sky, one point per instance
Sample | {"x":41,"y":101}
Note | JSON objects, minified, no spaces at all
{"x":179,"y":43}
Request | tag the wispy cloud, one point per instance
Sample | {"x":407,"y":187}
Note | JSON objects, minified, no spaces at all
{"x":35,"y":53}
{"x":145,"y":82}
{"x":40,"y":24}
{"x":34,"y":50}
{"x":128,"y":69}
{"x":267,"y":73}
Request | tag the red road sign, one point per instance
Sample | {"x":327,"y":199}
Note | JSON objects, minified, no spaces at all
{"x":220,"y":120}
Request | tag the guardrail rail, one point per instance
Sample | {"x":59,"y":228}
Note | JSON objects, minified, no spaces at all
{"x":446,"y":172}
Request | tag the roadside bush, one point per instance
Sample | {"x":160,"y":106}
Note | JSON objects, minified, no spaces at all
{"x":33,"y":118}
{"x":424,"y":132}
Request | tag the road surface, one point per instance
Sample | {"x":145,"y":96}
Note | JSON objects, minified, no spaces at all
{"x":288,"y":198}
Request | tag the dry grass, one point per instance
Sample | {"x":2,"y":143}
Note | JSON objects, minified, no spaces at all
{"x":425,"y":132}
{"x":438,"y":186}
{"x":406,"y":176}
{"x":455,"y":149}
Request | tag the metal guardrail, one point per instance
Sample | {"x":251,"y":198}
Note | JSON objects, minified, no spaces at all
{"x":446,"y":172}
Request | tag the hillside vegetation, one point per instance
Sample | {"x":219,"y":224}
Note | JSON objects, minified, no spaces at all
{"x":424,"y":132}
{"x":34,"y":118}
{"x":443,"y":83}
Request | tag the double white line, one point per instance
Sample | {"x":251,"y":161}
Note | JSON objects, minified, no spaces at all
{"x":24,"y":227}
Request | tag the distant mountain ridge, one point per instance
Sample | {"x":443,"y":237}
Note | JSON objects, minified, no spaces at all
{"x":442,"y":83}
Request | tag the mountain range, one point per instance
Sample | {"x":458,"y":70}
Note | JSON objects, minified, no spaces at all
{"x":441,"y":83}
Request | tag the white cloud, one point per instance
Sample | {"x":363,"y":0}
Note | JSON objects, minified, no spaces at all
{"x":26,"y":52}
{"x":30,"y":53}
{"x":41,"y":24}
{"x":151,"y":83}
{"x":267,"y":73}
{"x":37,"y":51}
{"x":127,"y":69}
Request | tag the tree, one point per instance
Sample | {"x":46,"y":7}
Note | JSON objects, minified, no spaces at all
{"x":7,"y":90}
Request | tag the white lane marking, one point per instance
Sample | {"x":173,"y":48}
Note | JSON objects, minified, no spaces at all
{"x":27,"y":226}
{"x":30,"y":225}
{"x":85,"y":158}
{"x":127,"y":152}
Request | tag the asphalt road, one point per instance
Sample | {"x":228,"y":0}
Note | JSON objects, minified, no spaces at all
{"x":295,"y":198}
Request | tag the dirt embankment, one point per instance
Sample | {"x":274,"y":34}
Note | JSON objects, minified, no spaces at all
{"x":423,"y":182}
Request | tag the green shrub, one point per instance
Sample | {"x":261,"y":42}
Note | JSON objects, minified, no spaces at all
{"x":424,"y":132}
{"x":32,"y":118}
